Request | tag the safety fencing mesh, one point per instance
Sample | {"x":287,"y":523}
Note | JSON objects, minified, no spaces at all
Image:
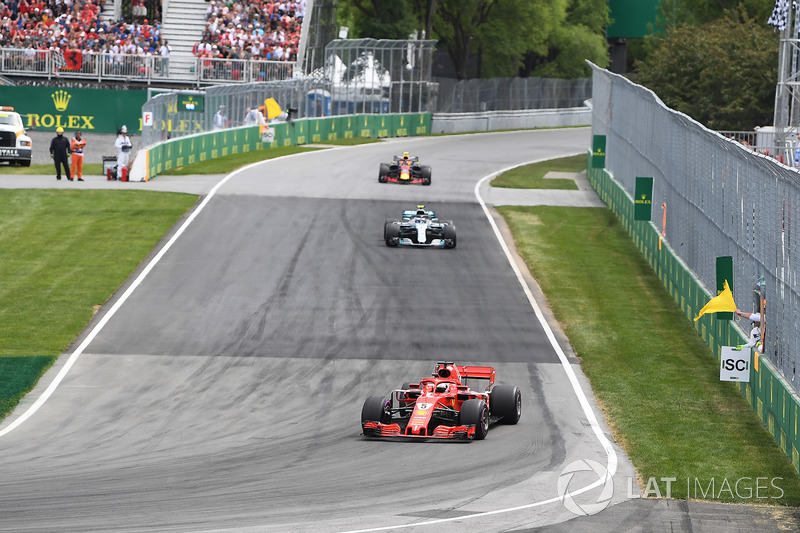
{"x":720,"y":198}
{"x":510,"y":94}
{"x":360,"y":76}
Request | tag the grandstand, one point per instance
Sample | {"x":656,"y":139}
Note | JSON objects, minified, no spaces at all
{"x":120,"y":40}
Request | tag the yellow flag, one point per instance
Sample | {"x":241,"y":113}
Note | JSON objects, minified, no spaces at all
{"x":722,"y":303}
{"x":273,"y":109}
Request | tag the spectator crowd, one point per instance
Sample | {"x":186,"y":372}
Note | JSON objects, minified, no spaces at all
{"x":257,"y":30}
{"x":74,"y":30}
{"x":75,"y":24}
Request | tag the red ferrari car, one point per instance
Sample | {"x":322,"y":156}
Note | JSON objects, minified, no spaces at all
{"x":443,"y":406}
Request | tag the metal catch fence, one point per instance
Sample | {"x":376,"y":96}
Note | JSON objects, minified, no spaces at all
{"x":721,"y":198}
{"x":101,"y":66}
{"x":511,"y":94}
{"x":359,"y":76}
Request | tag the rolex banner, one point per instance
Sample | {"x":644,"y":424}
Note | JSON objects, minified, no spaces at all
{"x":643,"y":199}
{"x":88,"y":110}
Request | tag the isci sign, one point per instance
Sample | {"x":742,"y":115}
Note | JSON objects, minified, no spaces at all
{"x":734,"y":364}
{"x":89,"y":110}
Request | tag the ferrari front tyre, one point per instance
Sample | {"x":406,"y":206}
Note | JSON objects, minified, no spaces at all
{"x":506,"y":402}
{"x":392,"y":235}
{"x":426,"y":175}
{"x":449,"y":235}
{"x":376,"y":409}
{"x":383,"y":172}
{"x":474,"y":412}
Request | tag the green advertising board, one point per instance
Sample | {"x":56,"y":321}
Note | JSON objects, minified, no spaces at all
{"x":631,"y":18}
{"x":643,"y":199}
{"x":191,"y":102}
{"x":88,"y":110}
{"x":599,"y":151}
{"x":724,"y":273}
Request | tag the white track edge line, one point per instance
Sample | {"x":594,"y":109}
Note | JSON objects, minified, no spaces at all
{"x":114,"y":308}
{"x":611,"y":468}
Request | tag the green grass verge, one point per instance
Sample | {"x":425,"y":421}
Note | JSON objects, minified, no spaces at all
{"x":89,"y":169}
{"x":18,"y":375}
{"x":65,"y":252}
{"x":655,"y":379}
{"x":532,"y":176}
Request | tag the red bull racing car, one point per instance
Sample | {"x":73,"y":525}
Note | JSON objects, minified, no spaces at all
{"x":443,"y":406}
{"x":404,"y":169}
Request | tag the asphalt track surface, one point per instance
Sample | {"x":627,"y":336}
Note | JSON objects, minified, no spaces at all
{"x":221,"y":388}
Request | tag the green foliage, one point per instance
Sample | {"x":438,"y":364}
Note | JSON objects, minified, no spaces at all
{"x":722,"y":74}
{"x":674,"y":13}
{"x":580,"y":36}
{"x":498,"y":32}
{"x":493,"y":38}
{"x":378,"y":19}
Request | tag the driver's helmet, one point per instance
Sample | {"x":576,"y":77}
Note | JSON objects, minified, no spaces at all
{"x":442,"y":387}
{"x":405,"y":155}
{"x":420,"y":212}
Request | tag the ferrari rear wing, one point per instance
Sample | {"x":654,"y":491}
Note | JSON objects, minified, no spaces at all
{"x":477,"y":372}
{"x":473,"y":372}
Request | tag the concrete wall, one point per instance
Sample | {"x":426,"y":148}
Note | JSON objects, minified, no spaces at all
{"x":510,"y":120}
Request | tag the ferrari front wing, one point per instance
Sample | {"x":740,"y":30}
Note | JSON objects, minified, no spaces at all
{"x":377,"y":429}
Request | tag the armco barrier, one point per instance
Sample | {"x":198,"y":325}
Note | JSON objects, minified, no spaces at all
{"x":769,"y":396}
{"x":205,"y":146}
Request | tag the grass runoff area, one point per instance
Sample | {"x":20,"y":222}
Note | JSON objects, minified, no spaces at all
{"x":532,"y":176}
{"x":65,"y":252}
{"x":652,"y":375}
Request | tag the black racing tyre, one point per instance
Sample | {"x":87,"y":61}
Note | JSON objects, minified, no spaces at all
{"x":474,"y":412}
{"x":376,"y":409}
{"x":392,"y":235}
{"x":506,"y":403}
{"x":383,"y":172}
{"x":449,"y":235}
{"x":386,"y":223}
{"x":426,"y":174}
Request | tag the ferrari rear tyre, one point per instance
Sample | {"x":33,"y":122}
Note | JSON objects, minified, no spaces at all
{"x":449,"y":235}
{"x":426,"y":175}
{"x":391,"y":235}
{"x":474,"y":412}
{"x":506,"y":402}
{"x":376,"y":409}
{"x":383,"y":172}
